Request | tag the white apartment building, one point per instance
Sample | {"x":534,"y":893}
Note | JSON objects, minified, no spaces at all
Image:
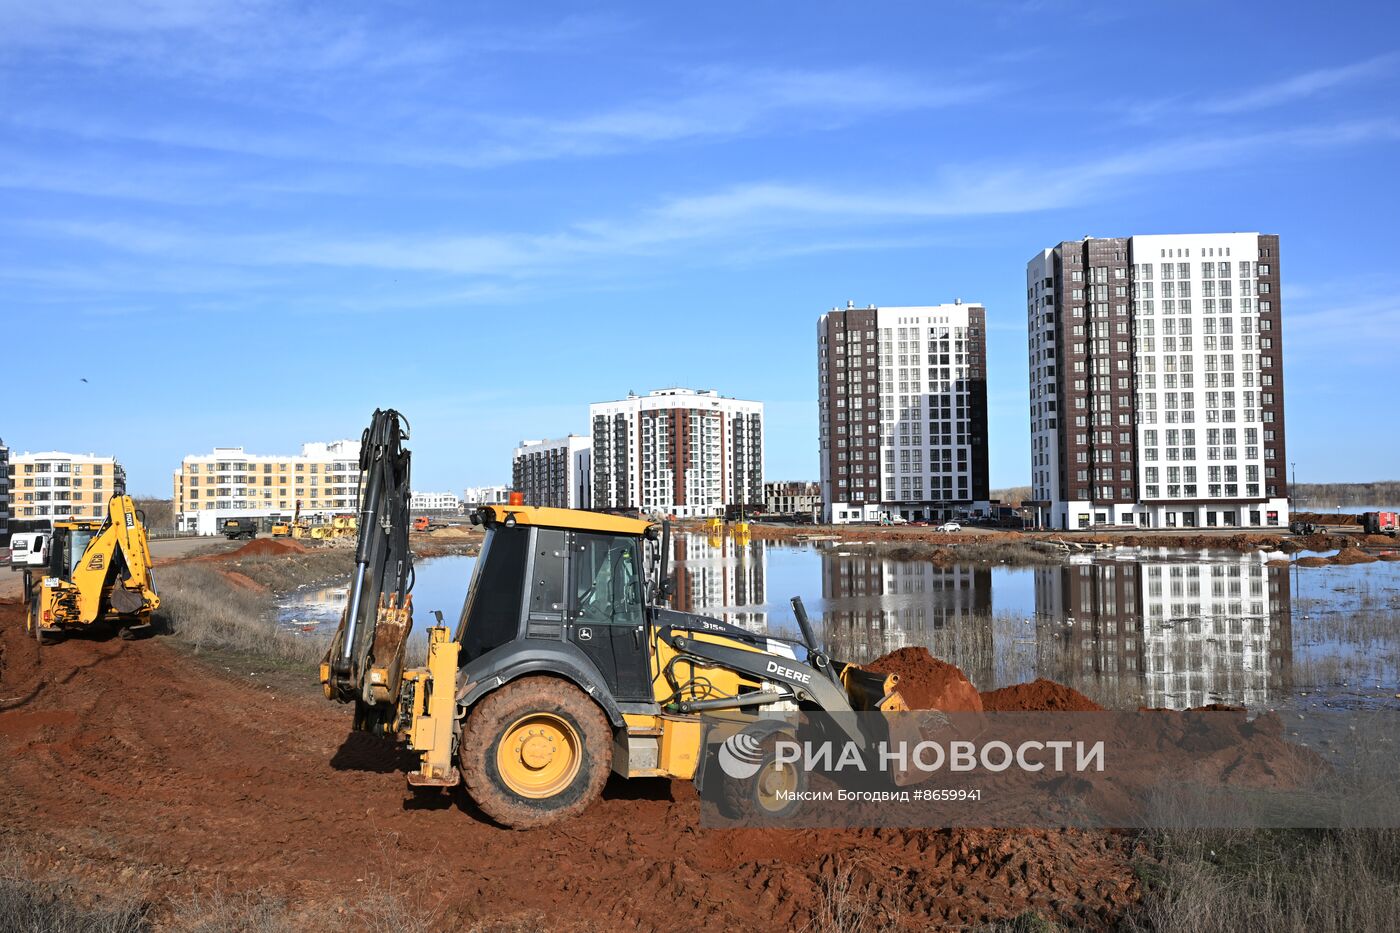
{"x":555,"y":473}
{"x":485,"y":495}
{"x":902,"y":393}
{"x":1157,"y":382}
{"x":56,"y":485}
{"x":434,"y":502}
{"x":684,"y":452}
{"x":322,"y":481}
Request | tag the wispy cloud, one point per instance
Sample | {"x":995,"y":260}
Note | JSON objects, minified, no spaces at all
{"x":1307,"y":84}
{"x":1284,"y":90}
{"x":707,"y":104}
{"x":227,"y":39}
{"x":760,"y":217}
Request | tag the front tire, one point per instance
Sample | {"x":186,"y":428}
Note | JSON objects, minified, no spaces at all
{"x":535,"y":751}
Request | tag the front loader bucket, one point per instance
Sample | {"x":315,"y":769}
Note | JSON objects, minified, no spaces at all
{"x":869,"y":691}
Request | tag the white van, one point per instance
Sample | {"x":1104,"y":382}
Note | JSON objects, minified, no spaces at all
{"x":29,"y":549}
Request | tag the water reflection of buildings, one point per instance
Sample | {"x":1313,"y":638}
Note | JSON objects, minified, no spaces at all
{"x":872,"y":605}
{"x":716,"y":571}
{"x":1181,"y":634}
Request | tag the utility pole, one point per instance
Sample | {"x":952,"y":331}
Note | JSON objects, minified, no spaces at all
{"x":1294,"y":465}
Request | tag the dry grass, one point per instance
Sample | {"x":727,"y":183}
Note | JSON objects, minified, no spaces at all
{"x":846,"y":901}
{"x":207,"y":611}
{"x":69,"y":902}
{"x":1289,"y":881}
{"x":29,"y":905}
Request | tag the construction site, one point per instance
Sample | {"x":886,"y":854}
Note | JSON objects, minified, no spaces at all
{"x":172,"y":763}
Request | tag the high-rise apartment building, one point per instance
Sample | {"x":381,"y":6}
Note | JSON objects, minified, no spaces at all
{"x":684,"y":452}
{"x":1156,"y":367}
{"x":555,"y":473}
{"x":4,"y":494}
{"x":323,"y":480}
{"x":903,"y":403}
{"x":56,"y":485}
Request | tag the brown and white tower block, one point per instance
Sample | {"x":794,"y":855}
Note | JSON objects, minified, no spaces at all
{"x":1156,"y":382}
{"x":902,"y":396}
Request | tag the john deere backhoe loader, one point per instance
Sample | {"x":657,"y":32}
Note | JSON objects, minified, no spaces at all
{"x":563,"y":665}
{"x":97,"y":572}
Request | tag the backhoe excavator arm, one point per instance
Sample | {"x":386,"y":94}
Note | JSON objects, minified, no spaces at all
{"x":365,"y":661}
{"x":136,"y":590}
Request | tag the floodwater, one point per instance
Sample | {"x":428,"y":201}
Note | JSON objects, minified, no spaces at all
{"x":1129,"y":627}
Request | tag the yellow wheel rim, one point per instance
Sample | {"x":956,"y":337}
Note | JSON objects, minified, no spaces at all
{"x":539,"y":755}
{"x":773,"y":779}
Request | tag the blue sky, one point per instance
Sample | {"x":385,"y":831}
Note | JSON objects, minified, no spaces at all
{"x":251,"y":223}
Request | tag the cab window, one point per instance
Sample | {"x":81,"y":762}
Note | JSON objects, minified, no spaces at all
{"x":606,"y":584}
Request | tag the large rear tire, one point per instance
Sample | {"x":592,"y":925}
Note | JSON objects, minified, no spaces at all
{"x":535,"y":751}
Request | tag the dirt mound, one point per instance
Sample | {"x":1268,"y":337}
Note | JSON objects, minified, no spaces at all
{"x":1346,"y":557}
{"x":1038,"y":696}
{"x":925,"y":682}
{"x":1379,"y":541}
{"x":451,"y":531}
{"x":201,"y":780}
{"x":267,"y":547}
{"x":1327,"y":518}
{"x":1389,"y":556}
{"x":1350,"y":556}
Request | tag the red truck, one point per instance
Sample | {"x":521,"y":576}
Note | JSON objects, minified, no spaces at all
{"x":1381,"y":523}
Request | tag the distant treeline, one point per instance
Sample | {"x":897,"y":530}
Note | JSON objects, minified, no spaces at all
{"x":1345,"y":495}
{"x":1015,"y":495}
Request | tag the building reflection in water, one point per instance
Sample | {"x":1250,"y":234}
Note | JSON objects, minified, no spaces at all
{"x":717,"y":575}
{"x":1171,"y":630}
{"x":872,"y":605}
{"x":1175,"y":633}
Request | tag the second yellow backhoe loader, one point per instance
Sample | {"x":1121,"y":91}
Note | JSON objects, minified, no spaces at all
{"x":98,"y":573}
{"x":564,"y":665}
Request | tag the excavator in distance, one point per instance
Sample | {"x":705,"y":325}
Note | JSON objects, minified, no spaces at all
{"x":565,"y":665}
{"x":98,"y":572}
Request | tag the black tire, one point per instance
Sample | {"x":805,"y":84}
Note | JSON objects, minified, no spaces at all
{"x":752,"y":798}
{"x":507,"y":715}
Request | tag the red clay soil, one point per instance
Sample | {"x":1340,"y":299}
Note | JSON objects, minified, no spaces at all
{"x":265,"y":547}
{"x":1349,"y":556}
{"x":131,"y":758}
{"x":1346,"y":557}
{"x":925,"y":682}
{"x":1038,"y":696}
{"x":243,"y":581}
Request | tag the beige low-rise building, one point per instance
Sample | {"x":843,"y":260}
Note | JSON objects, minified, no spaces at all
{"x":323,"y":480}
{"x":54,"y":485}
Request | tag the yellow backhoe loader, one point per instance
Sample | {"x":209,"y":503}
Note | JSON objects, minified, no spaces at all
{"x":98,"y":573}
{"x":564,"y":665}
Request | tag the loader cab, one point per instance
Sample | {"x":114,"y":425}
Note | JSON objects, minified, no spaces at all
{"x":70,"y":540}
{"x":547,"y":576}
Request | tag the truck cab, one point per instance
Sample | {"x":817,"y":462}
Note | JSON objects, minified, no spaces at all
{"x":234,"y":528}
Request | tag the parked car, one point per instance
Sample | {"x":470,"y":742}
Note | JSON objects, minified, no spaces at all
{"x":29,"y":549}
{"x":948,"y":527}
